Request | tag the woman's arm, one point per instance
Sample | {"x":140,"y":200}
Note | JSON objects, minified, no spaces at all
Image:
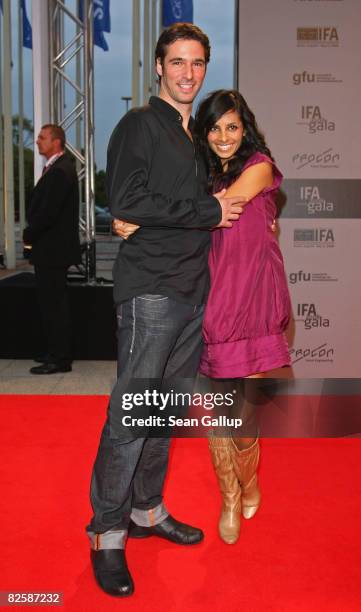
{"x":125,"y":229}
{"x":252,"y":181}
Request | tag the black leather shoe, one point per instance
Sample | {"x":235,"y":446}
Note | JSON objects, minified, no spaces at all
{"x":169,"y":529}
{"x":50,"y":368}
{"x":111,"y":572}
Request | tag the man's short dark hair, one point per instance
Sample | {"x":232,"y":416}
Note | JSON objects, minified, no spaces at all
{"x":181,"y":31}
{"x":56,"y":132}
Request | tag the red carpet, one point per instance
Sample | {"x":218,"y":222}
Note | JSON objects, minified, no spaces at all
{"x":301,"y":552}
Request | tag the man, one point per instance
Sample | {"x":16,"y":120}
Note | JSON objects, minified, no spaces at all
{"x":53,"y":236}
{"x":156,"y":180}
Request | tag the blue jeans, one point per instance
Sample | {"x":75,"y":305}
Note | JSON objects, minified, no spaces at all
{"x":159,"y":340}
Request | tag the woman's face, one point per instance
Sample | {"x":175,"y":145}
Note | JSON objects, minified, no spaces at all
{"x":225,"y":136}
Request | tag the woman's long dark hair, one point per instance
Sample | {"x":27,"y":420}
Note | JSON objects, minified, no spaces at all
{"x":209,"y":111}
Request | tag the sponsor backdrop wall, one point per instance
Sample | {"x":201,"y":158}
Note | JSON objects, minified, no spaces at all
{"x":300,"y":71}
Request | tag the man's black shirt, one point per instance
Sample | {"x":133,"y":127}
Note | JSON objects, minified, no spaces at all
{"x":156,"y":180}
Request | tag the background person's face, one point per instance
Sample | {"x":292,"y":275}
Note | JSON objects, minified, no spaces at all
{"x":183,"y":71}
{"x":225,"y":136}
{"x":47,"y":145}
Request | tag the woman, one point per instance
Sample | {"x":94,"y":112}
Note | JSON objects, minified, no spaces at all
{"x":248,"y":307}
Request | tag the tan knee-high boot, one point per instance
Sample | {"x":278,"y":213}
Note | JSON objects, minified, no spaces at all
{"x":229,"y":522}
{"x":245,"y":464}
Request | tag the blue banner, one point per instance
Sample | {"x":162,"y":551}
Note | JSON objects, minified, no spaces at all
{"x":101,"y":16}
{"x":177,"y":10}
{"x":27,"y":32}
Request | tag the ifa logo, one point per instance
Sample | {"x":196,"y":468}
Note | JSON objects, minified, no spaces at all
{"x":311,"y":199}
{"x":309,"y":317}
{"x":317,"y":36}
{"x":314,"y":237}
{"x":315,"y":122}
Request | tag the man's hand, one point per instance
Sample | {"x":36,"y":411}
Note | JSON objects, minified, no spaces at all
{"x":232,"y":208}
{"x":124,"y":229}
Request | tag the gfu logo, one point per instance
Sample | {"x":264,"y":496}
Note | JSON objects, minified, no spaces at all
{"x":317,"y":36}
{"x":306,"y":277}
{"x":325,"y":159}
{"x":310,"y":198}
{"x":303,"y":77}
{"x":308,"y":78}
{"x":299,"y":277}
{"x":319,"y":354}
{"x":314,"y":237}
{"x":310,"y":318}
{"x":312,"y":118}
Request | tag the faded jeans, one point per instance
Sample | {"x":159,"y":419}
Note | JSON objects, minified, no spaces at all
{"x":159,"y":340}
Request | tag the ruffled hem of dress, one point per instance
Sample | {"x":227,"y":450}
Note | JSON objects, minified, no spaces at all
{"x":245,"y":357}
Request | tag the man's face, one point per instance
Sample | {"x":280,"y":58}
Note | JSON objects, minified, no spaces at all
{"x":183,"y":71}
{"x":47,"y":145}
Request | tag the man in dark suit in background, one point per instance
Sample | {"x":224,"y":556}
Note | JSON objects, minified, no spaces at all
{"x":52,"y":233}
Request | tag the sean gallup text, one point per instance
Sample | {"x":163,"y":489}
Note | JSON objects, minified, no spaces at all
{"x":172,"y":421}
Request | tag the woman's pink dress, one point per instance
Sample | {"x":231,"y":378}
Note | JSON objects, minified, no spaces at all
{"x":248,"y":307}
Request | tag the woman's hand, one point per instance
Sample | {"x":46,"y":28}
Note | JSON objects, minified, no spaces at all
{"x":124,"y":229}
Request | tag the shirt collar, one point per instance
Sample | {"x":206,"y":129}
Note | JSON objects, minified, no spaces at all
{"x":53,"y":159}
{"x":167,"y":109}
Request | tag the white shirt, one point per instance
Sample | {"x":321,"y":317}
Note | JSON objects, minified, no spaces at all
{"x":52,"y":159}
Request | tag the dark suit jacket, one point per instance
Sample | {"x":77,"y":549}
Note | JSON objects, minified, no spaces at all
{"x":53,"y":217}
